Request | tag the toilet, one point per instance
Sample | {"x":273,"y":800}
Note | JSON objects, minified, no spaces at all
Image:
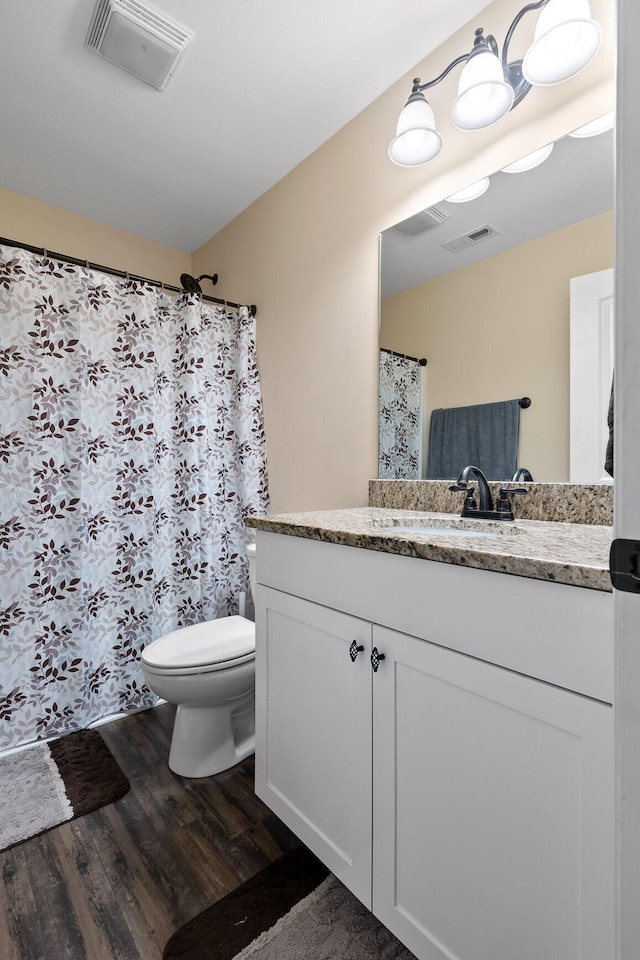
{"x":208,"y":670}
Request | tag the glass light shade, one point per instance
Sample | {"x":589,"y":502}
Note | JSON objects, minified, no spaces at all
{"x":530,"y":161}
{"x":566,"y":40}
{"x":600,"y":125}
{"x":484,"y":96}
{"x":416,"y":141}
{"x":472,"y":192}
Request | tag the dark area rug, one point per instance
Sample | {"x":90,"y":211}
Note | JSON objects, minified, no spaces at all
{"x":231,"y":924}
{"x":50,"y":783}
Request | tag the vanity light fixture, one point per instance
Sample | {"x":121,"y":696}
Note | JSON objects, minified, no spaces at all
{"x":484,"y":95}
{"x":472,"y":192}
{"x":416,"y":141}
{"x":595,"y":127}
{"x":566,"y":40}
{"x":530,"y":161}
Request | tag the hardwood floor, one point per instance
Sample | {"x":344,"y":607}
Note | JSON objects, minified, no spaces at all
{"x":116,"y":883}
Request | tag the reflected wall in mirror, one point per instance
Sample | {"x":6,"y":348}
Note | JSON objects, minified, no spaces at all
{"x":482,"y":291}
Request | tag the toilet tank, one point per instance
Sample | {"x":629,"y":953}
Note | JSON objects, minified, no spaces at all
{"x":251,"y":554}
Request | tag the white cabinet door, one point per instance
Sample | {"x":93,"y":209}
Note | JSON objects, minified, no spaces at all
{"x":493,"y":810}
{"x":313,"y":730}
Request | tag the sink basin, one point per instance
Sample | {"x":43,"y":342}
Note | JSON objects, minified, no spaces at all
{"x":448,"y":531}
{"x":446,"y":526}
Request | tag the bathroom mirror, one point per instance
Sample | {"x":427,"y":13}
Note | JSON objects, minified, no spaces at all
{"x":481,"y":290}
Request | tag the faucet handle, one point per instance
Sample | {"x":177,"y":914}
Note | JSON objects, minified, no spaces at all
{"x":503,"y":506}
{"x":507,"y":491}
{"x":469,"y":500}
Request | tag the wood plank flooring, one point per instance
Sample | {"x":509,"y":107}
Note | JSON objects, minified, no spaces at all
{"x":116,"y":883}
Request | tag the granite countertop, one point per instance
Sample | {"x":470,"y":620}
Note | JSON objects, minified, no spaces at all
{"x":572,"y":553}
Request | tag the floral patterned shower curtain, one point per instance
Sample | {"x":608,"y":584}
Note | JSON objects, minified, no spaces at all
{"x":131,"y":449}
{"x":399,"y":418}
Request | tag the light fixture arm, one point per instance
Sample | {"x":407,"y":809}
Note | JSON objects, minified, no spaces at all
{"x":516,"y":20}
{"x":421,"y":87}
{"x":489,"y":40}
{"x":513,"y":71}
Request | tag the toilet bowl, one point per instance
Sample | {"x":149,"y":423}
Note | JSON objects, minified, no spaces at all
{"x":208,"y":671}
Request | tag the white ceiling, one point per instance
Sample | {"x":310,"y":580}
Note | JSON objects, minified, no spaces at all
{"x":262,"y":85}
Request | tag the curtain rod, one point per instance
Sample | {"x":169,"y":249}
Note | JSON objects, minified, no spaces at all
{"x":112,"y":271}
{"x":405,"y":356}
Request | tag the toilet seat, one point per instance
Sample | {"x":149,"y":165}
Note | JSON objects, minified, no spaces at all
{"x":202,"y":648}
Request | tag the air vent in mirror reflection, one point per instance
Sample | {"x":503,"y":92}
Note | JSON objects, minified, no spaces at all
{"x":423,"y":221}
{"x":471,"y":238}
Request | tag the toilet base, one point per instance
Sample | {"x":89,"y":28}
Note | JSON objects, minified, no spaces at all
{"x":209,"y":740}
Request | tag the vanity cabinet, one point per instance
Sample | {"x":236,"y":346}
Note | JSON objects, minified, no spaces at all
{"x":468,"y":805}
{"x":313,"y":714}
{"x":492,"y":810}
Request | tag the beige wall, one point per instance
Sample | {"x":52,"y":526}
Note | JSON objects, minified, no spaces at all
{"x":512,"y":341}
{"x":41,"y":225}
{"x":306,"y":253}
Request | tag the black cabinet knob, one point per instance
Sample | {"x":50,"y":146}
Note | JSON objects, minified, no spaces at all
{"x":354,"y":650}
{"x":376,"y":657}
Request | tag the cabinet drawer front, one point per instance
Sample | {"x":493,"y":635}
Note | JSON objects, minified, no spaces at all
{"x":553,"y":632}
{"x":493,"y":810}
{"x":313,"y":730}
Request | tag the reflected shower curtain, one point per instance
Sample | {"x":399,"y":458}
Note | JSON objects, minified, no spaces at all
{"x":131,"y":449}
{"x":399,"y":418}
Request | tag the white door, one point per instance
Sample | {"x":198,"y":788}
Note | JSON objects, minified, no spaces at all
{"x":313,"y":729}
{"x":591,"y":369}
{"x":627,"y":474}
{"x":479,"y":771}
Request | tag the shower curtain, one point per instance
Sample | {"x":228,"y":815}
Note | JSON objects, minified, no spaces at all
{"x":399,"y":418}
{"x":131,"y":450}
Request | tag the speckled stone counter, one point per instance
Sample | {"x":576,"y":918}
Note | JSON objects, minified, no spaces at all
{"x":559,"y":502}
{"x":572,"y":553}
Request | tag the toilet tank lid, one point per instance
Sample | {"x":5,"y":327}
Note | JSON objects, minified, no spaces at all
{"x":214,"y":641}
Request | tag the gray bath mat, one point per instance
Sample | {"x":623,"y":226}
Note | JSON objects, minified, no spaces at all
{"x":53,"y":782}
{"x":292,"y":910}
{"x":329,"y":923}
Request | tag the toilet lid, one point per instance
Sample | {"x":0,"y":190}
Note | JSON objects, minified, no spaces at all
{"x":214,"y":641}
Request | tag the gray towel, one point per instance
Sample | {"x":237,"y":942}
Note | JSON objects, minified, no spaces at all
{"x":485,"y":434}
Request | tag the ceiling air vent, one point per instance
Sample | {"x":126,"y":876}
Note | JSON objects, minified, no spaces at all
{"x":137,"y":38}
{"x":423,"y":221}
{"x":471,"y":238}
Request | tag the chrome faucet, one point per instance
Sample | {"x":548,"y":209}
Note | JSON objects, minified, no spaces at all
{"x":486,"y":510}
